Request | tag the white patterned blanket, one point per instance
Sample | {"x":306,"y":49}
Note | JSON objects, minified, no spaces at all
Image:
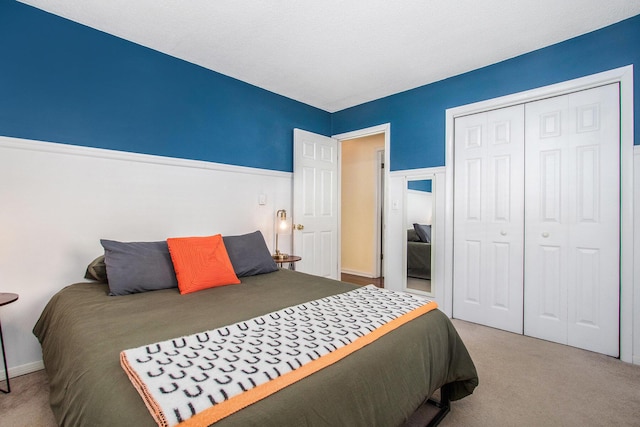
{"x":202,"y":378}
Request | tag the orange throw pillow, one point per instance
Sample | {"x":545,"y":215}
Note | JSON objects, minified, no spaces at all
{"x":201,"y":263}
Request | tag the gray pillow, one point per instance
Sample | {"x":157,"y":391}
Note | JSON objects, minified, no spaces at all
{"x":423,"y":232}
{"x":96,"y":270}
{"x":412,"y":236}
{"x":249,"y":254}
{"x":138,"y":266}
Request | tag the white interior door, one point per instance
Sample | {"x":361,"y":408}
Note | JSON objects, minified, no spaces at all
{"x":488,"y":218}
{"x":572,"y":222}
{"x":315,"y":203}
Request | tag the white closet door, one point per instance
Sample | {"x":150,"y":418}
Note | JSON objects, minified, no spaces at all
{"x":488,"y":218}
{"x":572,"y":219}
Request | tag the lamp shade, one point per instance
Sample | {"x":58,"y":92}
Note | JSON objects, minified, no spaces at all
{"x":281,"y":228}
{"x":282,"y":223}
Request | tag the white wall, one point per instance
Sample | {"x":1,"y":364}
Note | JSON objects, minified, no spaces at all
{"x":394,"y":233}
{"x":419,"y":207}
{"x":57,"y":201}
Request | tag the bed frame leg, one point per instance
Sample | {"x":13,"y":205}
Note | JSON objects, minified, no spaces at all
{"x":443,"y":405}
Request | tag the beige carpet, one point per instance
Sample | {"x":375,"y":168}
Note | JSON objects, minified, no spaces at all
{"x":28,"y":403}
{"x":523,"y":382}
{"x":529,"y":382}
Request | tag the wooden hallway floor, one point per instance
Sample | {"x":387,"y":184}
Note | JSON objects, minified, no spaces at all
{"x":362,"y":281}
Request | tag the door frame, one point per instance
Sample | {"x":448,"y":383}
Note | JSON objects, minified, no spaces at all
{"x":379,"y":220}
{"x":623,"y":76}
{"x":373,"y":130}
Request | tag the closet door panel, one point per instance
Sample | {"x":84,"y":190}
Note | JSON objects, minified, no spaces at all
{"x":546,"y":219}
{"x":572,"y":212}
{"x":504,"y":204}
{"x":500,"y":282}
{"x":545,"y":232}
{"x":587,"y":310}
{"x":473,"y":191}
{"x":550,"y":299}
{"x":469,"y":233}
{"x":550,"y":195}
{"x":472,"y":280}
{"x":488,"y":200}
{"x":594,"y":292}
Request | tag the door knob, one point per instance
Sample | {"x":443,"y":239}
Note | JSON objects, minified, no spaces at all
{"x":298,"y":227}
{"x":503,"y":233}
{"x":545,"y":234}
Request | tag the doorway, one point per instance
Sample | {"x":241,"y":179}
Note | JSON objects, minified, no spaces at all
{"x":361,"y":182}
{"x":382,"y":134}
{"x":317,"y":203}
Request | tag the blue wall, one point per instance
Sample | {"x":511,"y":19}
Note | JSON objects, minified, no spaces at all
{"x":422,"y":185}
{"x":417,"y":116}
{"x":64,"y":82}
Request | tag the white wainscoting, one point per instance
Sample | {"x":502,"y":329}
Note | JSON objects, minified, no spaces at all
{"x":58,"y":200}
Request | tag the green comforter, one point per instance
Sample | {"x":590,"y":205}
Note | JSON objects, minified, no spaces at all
{"x":82,"y":331}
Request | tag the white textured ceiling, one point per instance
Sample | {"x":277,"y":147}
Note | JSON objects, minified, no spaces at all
{"x":335,"y":54}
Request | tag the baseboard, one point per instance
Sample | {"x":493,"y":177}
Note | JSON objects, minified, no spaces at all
{"x":27,"y":368}
{"x":358,"y":273}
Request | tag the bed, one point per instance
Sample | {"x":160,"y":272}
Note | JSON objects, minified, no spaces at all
{"x":83,"y":329}
{"x":418,"y":256}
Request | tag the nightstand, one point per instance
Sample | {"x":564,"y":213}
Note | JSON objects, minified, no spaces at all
{"x":5,"y":298}
{"x":291,"y":259}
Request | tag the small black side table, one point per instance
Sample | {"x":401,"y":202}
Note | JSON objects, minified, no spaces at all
{"x":5,"y":299}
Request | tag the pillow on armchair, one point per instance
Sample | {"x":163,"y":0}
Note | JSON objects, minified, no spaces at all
{"x":423,"y":231}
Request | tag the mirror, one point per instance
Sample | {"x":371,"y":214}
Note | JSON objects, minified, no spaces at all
{"x":419,"y":208}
